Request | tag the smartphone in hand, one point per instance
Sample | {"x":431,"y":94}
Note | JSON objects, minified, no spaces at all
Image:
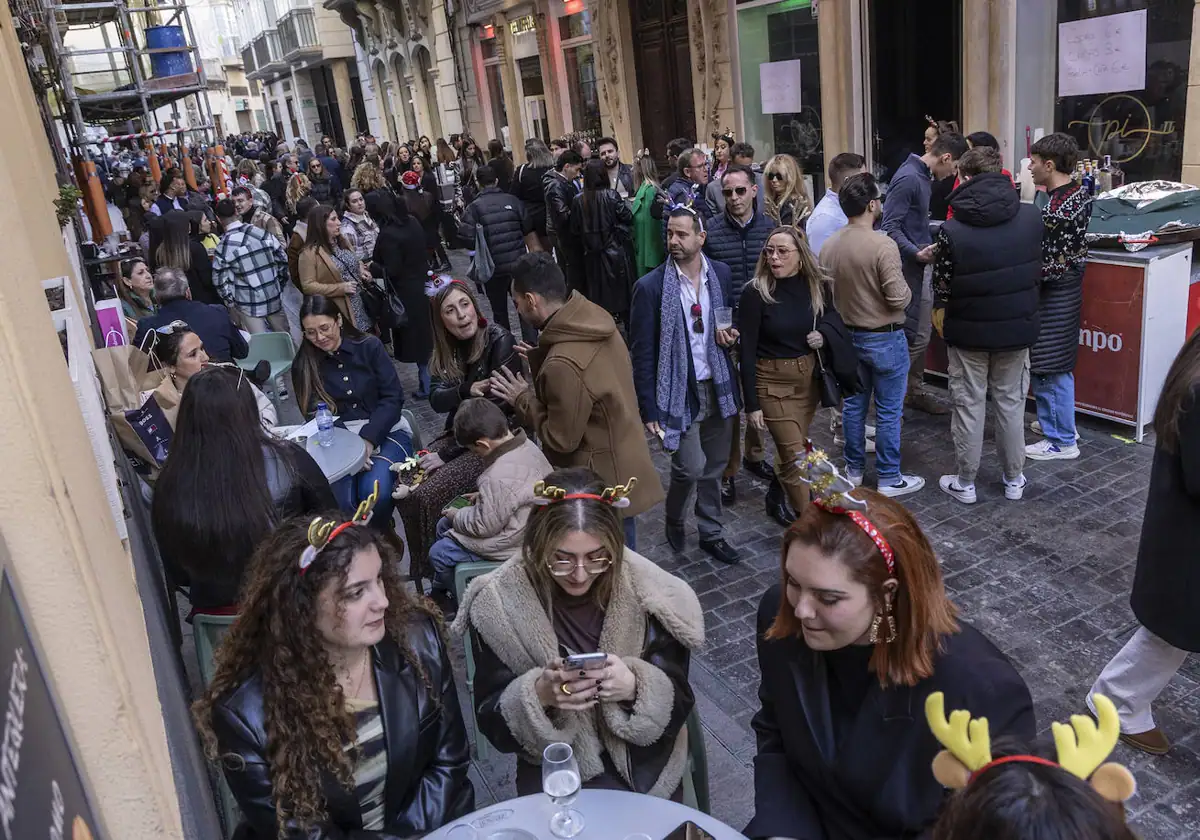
{"x":585,"y":661}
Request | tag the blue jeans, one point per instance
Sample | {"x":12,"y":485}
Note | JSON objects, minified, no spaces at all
{"x":883,"y":362}
{"x":629,"y":523}
{"x":445,"y":554}
{"x":1055,"y":396}
{"x":352,"y":489}
{"x":423,"y":377}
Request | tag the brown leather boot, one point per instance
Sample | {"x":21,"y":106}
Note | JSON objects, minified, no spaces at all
{"x":1153,"y":741}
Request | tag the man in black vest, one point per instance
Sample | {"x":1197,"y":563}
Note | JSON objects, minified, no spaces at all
{"x":986,"y":273}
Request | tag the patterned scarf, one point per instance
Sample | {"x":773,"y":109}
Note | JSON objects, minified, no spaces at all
{"x":674,"y":350}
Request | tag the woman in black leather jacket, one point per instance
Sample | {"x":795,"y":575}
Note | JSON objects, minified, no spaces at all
{"x":527,"y":185}
{"x":466,"y":351}
{"x":603,"y":224}
{"x":333,"y":711}
{"x":226,"y":484}
{"x":577,"y":589}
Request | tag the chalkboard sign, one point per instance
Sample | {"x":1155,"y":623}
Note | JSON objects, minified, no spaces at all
{"x":41,"y":790}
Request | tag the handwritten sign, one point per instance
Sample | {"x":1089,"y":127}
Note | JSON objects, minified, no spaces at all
{"x":1102,"y":54}
{"x":779,"y":82}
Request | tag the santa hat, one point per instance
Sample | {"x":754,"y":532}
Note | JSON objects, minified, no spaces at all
{"x":411,"y":180}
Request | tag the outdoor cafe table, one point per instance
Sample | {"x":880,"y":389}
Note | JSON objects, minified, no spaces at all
{"x":345,"y":456}
{"x":607,"y":815}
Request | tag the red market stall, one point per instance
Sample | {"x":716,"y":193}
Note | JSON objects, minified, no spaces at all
{"x":1134,"y":320}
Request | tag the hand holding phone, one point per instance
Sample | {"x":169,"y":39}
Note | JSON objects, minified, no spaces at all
{"x":585,"y":661}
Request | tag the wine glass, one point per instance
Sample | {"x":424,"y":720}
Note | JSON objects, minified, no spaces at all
{"x":560,"y":781}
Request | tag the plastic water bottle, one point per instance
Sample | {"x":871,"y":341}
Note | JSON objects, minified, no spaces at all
{"x":324,"y":425}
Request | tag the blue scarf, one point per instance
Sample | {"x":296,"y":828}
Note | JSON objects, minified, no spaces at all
{"x":671,"y":382}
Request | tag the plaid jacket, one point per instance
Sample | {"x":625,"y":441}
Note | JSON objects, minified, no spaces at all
{"x":249,"y":267}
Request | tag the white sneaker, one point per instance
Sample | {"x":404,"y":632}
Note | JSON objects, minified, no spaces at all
{"x":902,"y":486}
{"x":1044,"y":450}
{"x":835,"y":420}
{"x":1036,"y":428}
{"x":951,"y":487}
{"x":1014,"y":490}
{"x":855,"y":476}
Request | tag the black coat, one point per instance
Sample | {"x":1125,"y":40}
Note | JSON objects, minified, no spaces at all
{"x":995,"y":244}
{"x":603,"y":225}
{"x":428,"y":756}
{"x":558,"y":193}
{"x":879,"y":785}
{"x":738,"y":247}
{"x":222,"y":340}
{"x":360,"y":378}
{"x":326,"y":190}
{"x":527,"y":186}
{"x":400,"y":250}
{"x":1166,"y":585}
{"x":504,"y":227}
{"x":839,"y":356}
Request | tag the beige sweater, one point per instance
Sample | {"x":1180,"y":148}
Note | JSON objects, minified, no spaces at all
{"x":494,"y":526}
{"x":868,"y":285}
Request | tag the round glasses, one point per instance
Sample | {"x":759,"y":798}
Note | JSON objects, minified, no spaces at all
{"x":591,"y":565}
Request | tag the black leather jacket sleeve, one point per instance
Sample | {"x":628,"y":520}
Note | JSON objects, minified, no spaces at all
{"x":492,"y":677}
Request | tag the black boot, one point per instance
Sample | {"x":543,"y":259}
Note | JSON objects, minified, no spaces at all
{"x":777,"y":505}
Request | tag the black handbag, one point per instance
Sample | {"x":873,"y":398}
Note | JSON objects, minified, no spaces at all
{"x":827,"y":383}
{"x":383,"y":306}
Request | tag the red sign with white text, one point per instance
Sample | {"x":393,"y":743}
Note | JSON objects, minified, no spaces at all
{"x":1110,"y":340}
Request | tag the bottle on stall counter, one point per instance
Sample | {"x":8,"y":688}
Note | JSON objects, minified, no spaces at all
{"x":1106,"y":179}
{"x":324,"y":425}
{"x":1086,"y":180}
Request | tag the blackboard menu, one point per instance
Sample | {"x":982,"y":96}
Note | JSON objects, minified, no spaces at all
{"x":41,"y":790}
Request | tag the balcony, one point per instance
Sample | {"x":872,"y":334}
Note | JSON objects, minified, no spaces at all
{"x":298,"y":35}
{"x":268,"y":58}
{"x":248,"y":59}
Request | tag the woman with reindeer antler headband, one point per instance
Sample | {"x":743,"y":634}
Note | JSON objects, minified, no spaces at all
{"x":850,"y":644}
{"x":333,"y":710}
{"x":576,"y":591}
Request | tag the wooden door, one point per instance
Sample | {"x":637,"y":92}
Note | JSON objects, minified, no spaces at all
{"x":663,"y":60}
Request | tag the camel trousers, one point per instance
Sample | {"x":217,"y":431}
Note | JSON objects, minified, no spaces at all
{"x":789,"y":397}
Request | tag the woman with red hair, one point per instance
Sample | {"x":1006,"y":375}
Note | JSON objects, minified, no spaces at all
{"x":850,"y":643}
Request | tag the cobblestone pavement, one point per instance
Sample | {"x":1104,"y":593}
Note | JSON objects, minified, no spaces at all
{"x":1047,"y":578}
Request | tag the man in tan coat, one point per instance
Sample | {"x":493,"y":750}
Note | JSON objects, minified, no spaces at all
{"x":582,"y":403}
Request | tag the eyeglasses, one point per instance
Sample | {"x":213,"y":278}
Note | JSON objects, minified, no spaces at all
{"x":591,"y":565}
{"x":697,"y":318}
{"x":771,"y":251}
{"x":325,"y":330}
{"x":740,"y":191}
{"x":774,"y":176}
{"x":171,"y":328}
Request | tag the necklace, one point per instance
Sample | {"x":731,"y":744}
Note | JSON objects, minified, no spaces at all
{"x":362,"y":676}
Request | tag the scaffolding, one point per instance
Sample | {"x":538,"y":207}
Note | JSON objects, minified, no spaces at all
{"x":118,"y":84}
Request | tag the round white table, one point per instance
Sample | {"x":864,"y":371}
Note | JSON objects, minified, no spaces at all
{"x":607,"y":815}
{"x":344,"y":457}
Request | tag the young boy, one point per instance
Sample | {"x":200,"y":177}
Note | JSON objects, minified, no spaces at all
{"x":493,"y":525}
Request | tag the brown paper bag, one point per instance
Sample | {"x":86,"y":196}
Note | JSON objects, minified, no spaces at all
{"x":142,"y":406}
{"x":125,"y":373}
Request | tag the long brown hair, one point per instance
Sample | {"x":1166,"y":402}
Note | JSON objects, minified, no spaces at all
{"x":276,"y":637}
{"x":175,"y":249}
{"x":306,"y":366}
{"x":317,"y":237}
{"x":550,"y":524}
{"x":810,"y":270}
{"x":1177,"y":396}
{"x":923,"y":612}
{"x":448,"y":362}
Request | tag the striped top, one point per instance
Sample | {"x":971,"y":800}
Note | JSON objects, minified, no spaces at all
{"x":370,"y":765}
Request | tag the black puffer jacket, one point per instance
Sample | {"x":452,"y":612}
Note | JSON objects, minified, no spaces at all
{"x":504,"y":226}
{"x":738,"y":247}
{"x":527,"y":186}
{"x":427,"y":784}
{"x":995,"y":247}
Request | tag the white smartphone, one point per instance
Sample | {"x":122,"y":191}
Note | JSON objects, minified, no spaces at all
{"x":585,"y":661}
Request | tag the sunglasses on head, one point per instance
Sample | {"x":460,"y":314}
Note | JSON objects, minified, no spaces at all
{"x":729,"y":193}
{"x":171,"y":328}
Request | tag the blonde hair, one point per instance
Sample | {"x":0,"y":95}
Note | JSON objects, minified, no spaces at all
{"x":645,"y":169}
{"x":298,"y":186}
{"x":793,"y":188}
{"x":810,"y":270}
{"x":367,"y":177}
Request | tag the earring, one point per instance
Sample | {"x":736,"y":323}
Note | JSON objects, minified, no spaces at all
{"x":873,"y":636}
{"x":877,"y":622}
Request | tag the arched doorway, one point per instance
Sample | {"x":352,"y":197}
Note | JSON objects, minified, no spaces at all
{"x":404,"y":91}
{"x":429,"y":84}
{"x":381,"y":100}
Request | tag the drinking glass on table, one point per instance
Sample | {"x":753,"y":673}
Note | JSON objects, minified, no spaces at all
{"x":560,"y":781}
{"x":723,"y":315}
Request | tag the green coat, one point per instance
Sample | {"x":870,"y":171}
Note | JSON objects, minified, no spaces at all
{"x":648,"y":251}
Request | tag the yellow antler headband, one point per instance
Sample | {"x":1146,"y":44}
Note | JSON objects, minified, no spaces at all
{"x":618,"y":497}
{"x":1082,"y":748}
{"x":321,"y":532}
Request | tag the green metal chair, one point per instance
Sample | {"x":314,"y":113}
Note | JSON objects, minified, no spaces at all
{"x":208,"y":631}
{"x":695,"y":776}
{"x":276,"y":348}
{"x":464,"y":573}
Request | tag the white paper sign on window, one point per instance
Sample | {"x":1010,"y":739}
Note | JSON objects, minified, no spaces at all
{"x":779,"y":82}
{"x":1102,"y":55}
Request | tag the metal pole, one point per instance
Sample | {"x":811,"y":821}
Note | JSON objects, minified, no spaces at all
{"x":68,"y":86}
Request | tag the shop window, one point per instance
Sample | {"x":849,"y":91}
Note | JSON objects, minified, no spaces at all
{"x":487,"y":48}
{"x":582,"y":84}
{"x":496,"y":95}
{"x":577,"y":25}
{"x":1141,"y":129}
{"x":530,"y":71}
{"x":770,"y":35}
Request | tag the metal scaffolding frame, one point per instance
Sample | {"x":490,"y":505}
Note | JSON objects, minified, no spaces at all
{"x":138,"y":95}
